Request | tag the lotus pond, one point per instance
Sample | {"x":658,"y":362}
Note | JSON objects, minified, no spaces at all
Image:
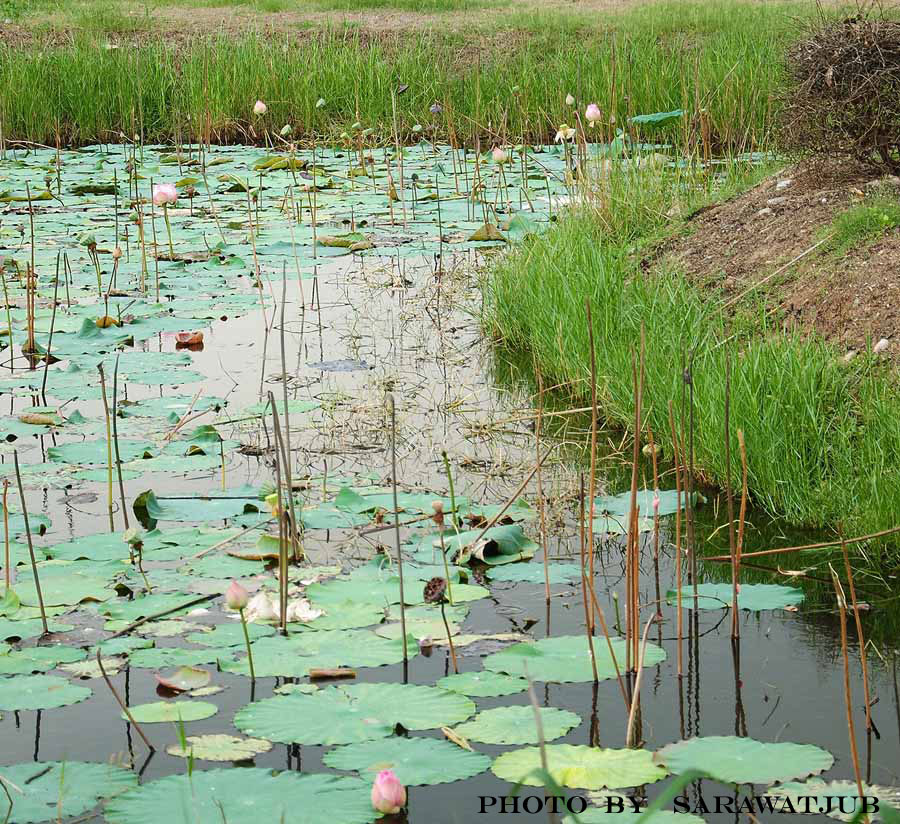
{"x":336,"y":294}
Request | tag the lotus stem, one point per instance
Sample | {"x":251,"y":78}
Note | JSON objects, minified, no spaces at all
{"x":393,"y":413}
{"x":109,"y":450}
{"x":247,"y":643}
{"x":34,"y":570}
{"x":449,"y":637}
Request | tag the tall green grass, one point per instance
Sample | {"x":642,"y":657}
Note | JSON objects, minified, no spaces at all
{"x":498,"y":84}
{"x":823,"y":436}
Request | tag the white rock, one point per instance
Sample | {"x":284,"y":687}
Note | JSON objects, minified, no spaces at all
{"x":881,"y":346}
{"x":849,"y":356}
{"x":776,"y":201}
{"x":783,"y":184}
{"x":764,"y":212}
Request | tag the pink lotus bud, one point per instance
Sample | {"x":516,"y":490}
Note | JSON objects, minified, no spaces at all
{"x":656,"y":503}
{"x":592,"y":114}
{"x":236,"y":597}
{"x":388,"y":794}
{"x":260,"y":108}
{"x":570,"y":101}
{"x":438,"y":517}
{"x":164,"y":193}
{"x":499,"y":155}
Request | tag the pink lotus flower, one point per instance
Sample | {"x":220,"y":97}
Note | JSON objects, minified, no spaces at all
{"x":236,"y":597}
{"x":499,"y":155}
{"x":164,"y":194}
{"x":593,"y":114}
{"x":260,"y":108}
{"x":388,"y":794}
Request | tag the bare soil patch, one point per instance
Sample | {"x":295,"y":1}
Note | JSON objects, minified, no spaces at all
{"x":761,"y":244}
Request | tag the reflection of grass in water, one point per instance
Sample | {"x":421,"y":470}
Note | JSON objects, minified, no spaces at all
{"x":823,"y":437}
{"x":514,"y":71}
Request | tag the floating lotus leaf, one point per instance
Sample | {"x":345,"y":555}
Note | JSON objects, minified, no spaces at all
{"x":162,"y":657}
{"x":483,"y":684}
{"x":175,"y":603}
{"x":734,"y":760}
{"x":798,"y":793}
{"x":349,"y":714}
{"x":580,"y":767}
{"x":565,"y":658}
{"x":601,"y":815}
{"x":95,"y":452}
{"x":753,"y":597}
{"x":50,"y":790}
{"x":499,"y":545}
{"x":65,"y":583}
{"x":185,"y":678}
{"x":23,"y":629}
{"x":39,"y":692}
{"x":516,"y":725}
{"x":230,"y":635}
{"x":172,"y":711}
{"x":295,"y":655}
{"x":415,"y":761}
{"x":533,"y":573}
{"x":89,"y":668}
{"x":220,"y":748}
{"x":229,"y":794}
{"x":348,"y":615}
{"x":38,"y":659}
{"x":214,"y":506}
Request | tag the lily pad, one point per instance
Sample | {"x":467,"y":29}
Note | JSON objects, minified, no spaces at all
{"x":734,"y":760}
{"x":752,"y":597}
{"x":185,"y":678}
{"x":483,"y":684}
{"x":798,"y":791}
{"x":49,"y":790}
{"x":230,"y":635}
{"x":565,"y":659}
{"x":295,"y":655}
{"x":228,"y":794}
{"x":172,"y":711}
{"x":349,"y":714}
{"x":220,"y":748}
{"x":580,"y":767}
{"x":533,"y":573}
{"x":38,"y":659}
{"x":39,"y":692}
{"x":415,"y":761}
{"x":516,"y":725}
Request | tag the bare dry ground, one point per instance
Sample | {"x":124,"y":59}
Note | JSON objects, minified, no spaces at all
{"x":767,"y":243}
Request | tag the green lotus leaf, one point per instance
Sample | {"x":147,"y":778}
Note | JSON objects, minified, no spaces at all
{"x":516,"y":725}
{"x":38,"y":659}
{"x":349,"y":714}
{"x":23,"y":629}
{"x":533,"y":573}
{"x":415,"y":761}
{"x":580,"y":767}
{"x":230,"y":635}
{"x":39,"y":692}
{"x":51,"y":790}
{"x":171,"y":711}
{"x":295,"y":655}
{"x":220,"y":748}
{"x":483,"y":684}
{"x":752,"y":597}
{"x":565,"y":658}
{"x":228,"y":794}
{"x":734,"y":760}
{"x":798,"y":793}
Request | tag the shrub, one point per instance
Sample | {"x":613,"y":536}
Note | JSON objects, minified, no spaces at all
{"x":843,"y":92}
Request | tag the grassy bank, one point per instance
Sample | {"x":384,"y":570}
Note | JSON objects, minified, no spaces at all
{"x":823,"y":436}
{"x":505,"y":81}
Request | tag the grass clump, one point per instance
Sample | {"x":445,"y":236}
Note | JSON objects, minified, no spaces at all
{"x":823,"y":436}
{"x":673,"y":55}
{"x":861,"y":225}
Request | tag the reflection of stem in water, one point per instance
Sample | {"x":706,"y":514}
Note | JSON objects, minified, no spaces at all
{"x":34,"y":570}
{"x":585,"y":588}
{"x":449,"y":637}
{"x":392,"y":412}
